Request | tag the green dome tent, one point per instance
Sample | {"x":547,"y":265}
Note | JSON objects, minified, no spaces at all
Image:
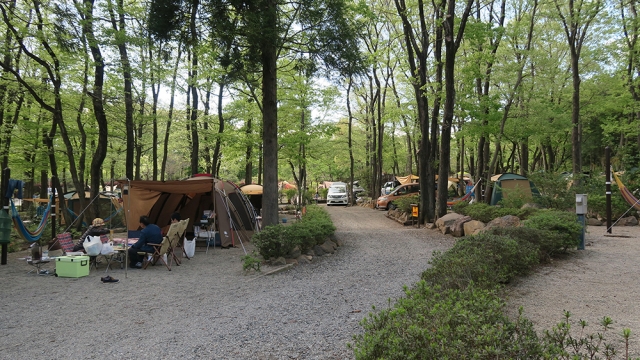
{"x":509,"y":183}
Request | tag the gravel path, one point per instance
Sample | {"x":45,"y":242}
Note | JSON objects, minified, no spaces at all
{"x":208,"y":308}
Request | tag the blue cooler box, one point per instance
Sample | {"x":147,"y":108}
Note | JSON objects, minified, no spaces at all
{"x":72,"y":266}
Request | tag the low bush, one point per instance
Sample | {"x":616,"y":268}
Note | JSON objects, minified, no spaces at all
{"x":279,"y":240}
{"x":562,"y":229}
{"x":434,"y":323}
{"x":485,"y":212}
{"x":404,"y":203}
{"x":545,"y":241}
{"x":274,"y":241}
{"x":598,"y":205}
{"x":484,"y":259}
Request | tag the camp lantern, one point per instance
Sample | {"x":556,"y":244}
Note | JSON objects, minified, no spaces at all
{"x":5,"y":227}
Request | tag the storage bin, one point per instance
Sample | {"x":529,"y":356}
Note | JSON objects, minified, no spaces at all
{"x":72,"y":266}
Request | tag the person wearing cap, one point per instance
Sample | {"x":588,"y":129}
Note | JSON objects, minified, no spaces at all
{"x":96,"y":229}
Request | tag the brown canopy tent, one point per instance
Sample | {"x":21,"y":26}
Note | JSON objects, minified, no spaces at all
{"x":158,"y":200}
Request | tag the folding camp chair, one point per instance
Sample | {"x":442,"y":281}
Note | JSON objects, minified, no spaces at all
{"x":176,"y":230}
{"x":66,"y":242}
{"x":179,"y":241}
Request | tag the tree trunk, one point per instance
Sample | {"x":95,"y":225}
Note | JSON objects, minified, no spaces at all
{"x":270,"y":113}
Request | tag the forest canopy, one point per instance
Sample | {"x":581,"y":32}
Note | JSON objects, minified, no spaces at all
{"x":362,"y":90}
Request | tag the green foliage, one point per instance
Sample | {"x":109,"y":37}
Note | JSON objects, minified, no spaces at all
{"x":484,"y":259}
{"x":516,"y":199}
{"x":546,"y":242}
{"x":274,"y":241}
{"x":597,"y":205}
{"x":290,"y":193}
{"x":485,"y":212}
{"x":559,"y":343}
{"x":404,"y":203}
{"x":251,"y":262}
{"x":562,"y":226}
{"x":434,"y":323}
{"x":323,"y":193}
{"x":279,"y":240}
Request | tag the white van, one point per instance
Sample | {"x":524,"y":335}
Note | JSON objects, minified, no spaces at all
{"x":337,"y":194}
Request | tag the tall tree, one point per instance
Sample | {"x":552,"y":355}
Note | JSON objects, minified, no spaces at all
{"x":265,"y":26}
{"x":452,"y":40}
{"x":576,"y":19}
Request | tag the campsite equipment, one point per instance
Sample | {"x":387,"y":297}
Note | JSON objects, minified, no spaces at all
{"x":31,"y":236}
{"x":235,"y":217}
{"x":626,"y":193}
{"x":466,"y":197}
{"x":509,"y":183}
{"x":72,"y":266}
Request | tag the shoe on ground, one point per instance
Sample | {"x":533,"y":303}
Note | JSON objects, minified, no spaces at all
{"x":138,"y":265}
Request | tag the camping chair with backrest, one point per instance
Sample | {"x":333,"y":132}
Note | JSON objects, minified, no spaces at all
{"x":164,"y":248}
{"x":66,"y":242}
{"x":178,"y":241}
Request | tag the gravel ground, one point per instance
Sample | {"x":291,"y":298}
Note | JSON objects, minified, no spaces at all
{"x":208,"y":308}
{"x":600,"y":281}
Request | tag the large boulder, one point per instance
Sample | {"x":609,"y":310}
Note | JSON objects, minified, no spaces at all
{"x":628,"y":221}
{"x":457,"y":229}
{"x":594,"y":222}
{"x":505,"y":221}
{"x":445,"y":223}
{"x":473,"y":227}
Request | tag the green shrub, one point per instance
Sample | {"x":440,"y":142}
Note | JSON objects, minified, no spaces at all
{"x":559,"y":343}
{"x":545,"y":241}
{"x":434,"y":323}
{"x":250,"y":262}
{"x":555,"y":191}
{"x":290,"y":194}
{"x":562,"y":226}
{"x":274,"y":241}
{"x":485,"y":212}
{"x":598,"y":205}
{"x":404,"y":203}
{"x":278,"y":240}
{"x":484,"y":259}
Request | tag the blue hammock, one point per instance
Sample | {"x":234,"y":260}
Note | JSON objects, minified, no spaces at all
{"x":106,"y":220}
{"x":30,"y":236}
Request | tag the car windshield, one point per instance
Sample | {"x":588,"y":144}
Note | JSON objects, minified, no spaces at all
{"x":337,"y":189}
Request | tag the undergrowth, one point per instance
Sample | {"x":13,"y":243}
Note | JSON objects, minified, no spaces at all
{"x":455,"y":311}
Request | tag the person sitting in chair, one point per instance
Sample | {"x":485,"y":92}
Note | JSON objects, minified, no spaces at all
{"x":175,"y":218}
{"x":96,"y":229}
{"x":150,"y":234}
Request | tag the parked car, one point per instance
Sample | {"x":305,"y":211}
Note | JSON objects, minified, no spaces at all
{"x":388,"y":187}
{"x":357,"y":189}
{"x":337,"y":194}
{"x":386,"y":201}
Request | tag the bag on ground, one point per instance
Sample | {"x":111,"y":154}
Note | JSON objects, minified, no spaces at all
{"x":190,"y":247}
